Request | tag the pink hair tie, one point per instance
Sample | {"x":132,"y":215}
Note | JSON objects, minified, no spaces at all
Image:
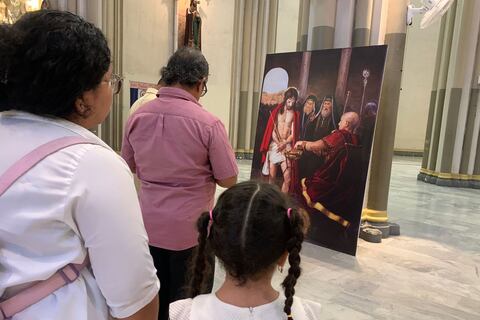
{"x":289,"y":213}
{"x":211,"y":215}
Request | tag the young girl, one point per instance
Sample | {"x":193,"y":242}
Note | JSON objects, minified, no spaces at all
{"x":252,"y":230}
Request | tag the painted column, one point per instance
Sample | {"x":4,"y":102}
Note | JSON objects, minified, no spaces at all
{"x":451,"y":144}
{"x":456,"y":100}
{"x":112,"y":26}
{"x":379,"y":22}
{"x":255,"y":35}
{"x":247,"y":75}
{"x":342,"y":78}
{"x":344,"y":23}
{"x":473,"y":168}
{"x":303,"y":21}
{"x":363,"y":22}
{"x":322,"y":24}
{"x":437,"y":97}
{"x":304,"y":74}
{"x":267,"y":27}
{"x":382,"y":152}
{"x":238,"y":38}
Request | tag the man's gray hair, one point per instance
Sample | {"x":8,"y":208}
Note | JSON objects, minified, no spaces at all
{"x":353,"y":120}
{"x":187,"y":66}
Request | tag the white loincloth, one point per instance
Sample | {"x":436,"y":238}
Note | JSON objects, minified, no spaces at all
{"x":274,"y":156}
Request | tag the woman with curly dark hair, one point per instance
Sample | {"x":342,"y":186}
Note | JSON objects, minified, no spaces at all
{"x":72,"y":240}
{"x":253,"y":230}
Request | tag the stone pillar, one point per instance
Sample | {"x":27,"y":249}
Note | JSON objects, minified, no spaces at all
{"x":255,"y":36}
{"x":437,"y":98}
{"x":344,"y":23}
{"x":382,"y":152}
{"x":303,"y":20}
{"x":452,"y":138}
{"x":112,"y":26}
{"x":473,"y":167}
{"x":363,"y":22}
{"x":322,"y":24}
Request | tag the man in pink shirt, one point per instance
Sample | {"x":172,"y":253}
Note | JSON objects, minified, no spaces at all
{"x":179,"y":152}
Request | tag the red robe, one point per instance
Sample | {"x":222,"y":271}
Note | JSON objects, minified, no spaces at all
{"x":336,"y":183}
{"x":267,"y":138}
{"x":267,"y":135}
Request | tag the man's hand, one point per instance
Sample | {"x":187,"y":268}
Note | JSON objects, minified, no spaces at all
{"x":282,"y":146}
{"x":300,"y":145}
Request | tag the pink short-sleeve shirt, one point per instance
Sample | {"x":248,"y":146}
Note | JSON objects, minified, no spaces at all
{"x":178,"y":151}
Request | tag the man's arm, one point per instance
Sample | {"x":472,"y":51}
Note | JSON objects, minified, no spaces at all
{"x":317,"y":147}
{"x":127,"y":150}
{"x":290,"y":137}
{"x":275,"y":137}
{"x":227,"y":183}
{"x":222,"y":157}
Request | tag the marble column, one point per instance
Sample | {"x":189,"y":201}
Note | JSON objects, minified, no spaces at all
{"x":322,"y":24}
{"x":451,"y":145}
{"x":363,"y":22}
{"x":437,"y":97}
{"x":382,"y":151}
{"x":303,"y":21}
{"x":112,"y":26}
{"x":344,"y":20}
{"x":255,"y":34}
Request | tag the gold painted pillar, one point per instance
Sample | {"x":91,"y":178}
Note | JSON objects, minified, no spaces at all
{"x":451,"y":144}
{"x":382,"y":152}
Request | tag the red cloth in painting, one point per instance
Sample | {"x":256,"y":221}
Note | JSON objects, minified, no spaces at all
{"x":267,"y":135}
{"x":335,"y":183}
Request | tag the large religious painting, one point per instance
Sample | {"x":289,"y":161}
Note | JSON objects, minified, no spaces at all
{"x":314,"y":135}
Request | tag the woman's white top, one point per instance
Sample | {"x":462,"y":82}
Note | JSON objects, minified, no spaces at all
{"x":77,"y":199}
{"x":209,"y":307}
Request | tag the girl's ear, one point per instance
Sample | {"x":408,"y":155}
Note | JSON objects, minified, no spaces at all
{"x":283,"y":258}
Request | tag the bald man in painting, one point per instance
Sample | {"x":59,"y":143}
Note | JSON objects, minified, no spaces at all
{"x":333,"y":190}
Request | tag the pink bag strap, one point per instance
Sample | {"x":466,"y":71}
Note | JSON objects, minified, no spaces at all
{"x":28,"y":161}
{"x":67,"y":274}
{"x":40,"y":290}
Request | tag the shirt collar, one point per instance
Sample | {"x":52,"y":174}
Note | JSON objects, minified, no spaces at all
{"x":177,"y":93}
{"x":151,"y":90}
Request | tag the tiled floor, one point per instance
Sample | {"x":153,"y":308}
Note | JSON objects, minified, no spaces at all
{"x":431,"y":271}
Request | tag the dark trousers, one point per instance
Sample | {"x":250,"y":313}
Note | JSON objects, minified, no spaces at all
{"x":172,"y":268}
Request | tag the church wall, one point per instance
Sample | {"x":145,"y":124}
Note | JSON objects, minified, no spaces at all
{"x":148,"y":43}
{"x":217,"y":46}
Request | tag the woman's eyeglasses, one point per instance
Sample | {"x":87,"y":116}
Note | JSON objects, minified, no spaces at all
{"x":115,"y":83}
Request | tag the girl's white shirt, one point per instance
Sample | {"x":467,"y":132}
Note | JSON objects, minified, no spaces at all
{"x":209,"y":307}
